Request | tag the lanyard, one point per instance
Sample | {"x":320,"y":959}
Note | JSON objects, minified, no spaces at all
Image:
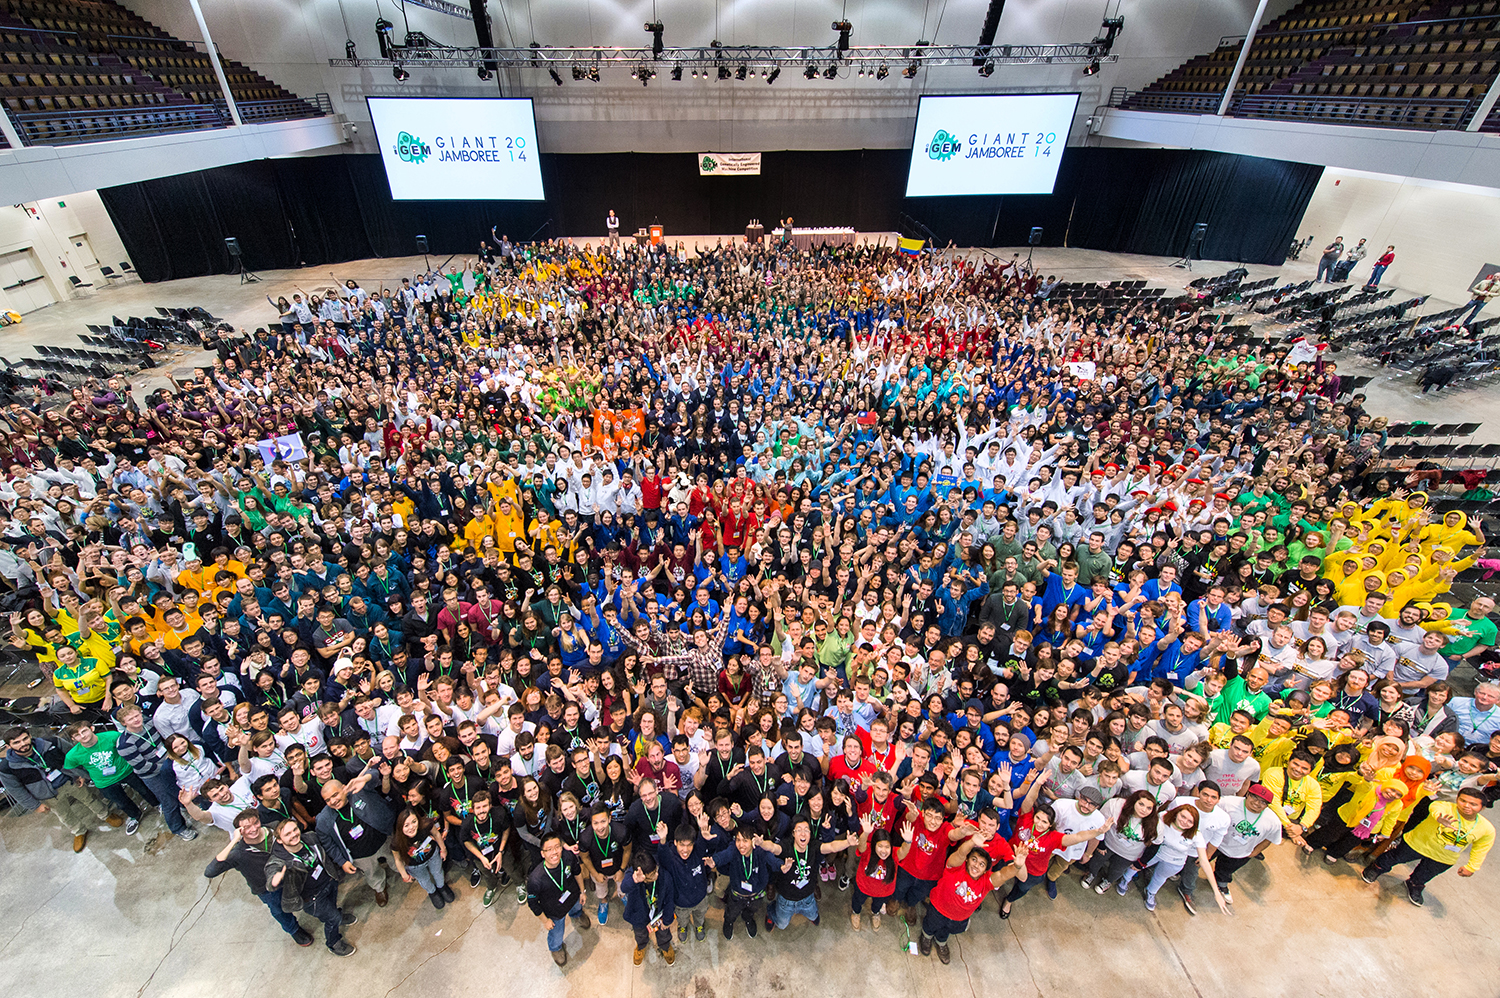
{"x":749,"y":863}
{"x":605,"y":846}
{"x":561,"y":878}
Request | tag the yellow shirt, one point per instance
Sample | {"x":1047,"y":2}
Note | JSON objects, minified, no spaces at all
{"x":1447,"y":844}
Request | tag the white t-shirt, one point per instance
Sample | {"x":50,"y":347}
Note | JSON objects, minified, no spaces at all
{"x":1231,"y":777}
{"x":1246,"y":831}
{"x":310,"y":736}
{"x":223,"y":815}
{"x":1071,"y":821}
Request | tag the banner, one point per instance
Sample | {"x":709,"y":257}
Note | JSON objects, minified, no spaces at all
{"x":742,"y":164}
{"x":1082,"y":369}
{"x":911,"y":247}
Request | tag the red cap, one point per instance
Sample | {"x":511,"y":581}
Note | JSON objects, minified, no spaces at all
{"x":1259,"y":790}
{"x":1195,"y":481}
{"x":1170,"y":507}
{"x":1196,"y":502}
{"x":1222,"y":495}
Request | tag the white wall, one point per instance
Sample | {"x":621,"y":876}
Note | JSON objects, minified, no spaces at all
{"x":1443,"y":233}
{"x":47,"y":228}
{"x":290,"y":41}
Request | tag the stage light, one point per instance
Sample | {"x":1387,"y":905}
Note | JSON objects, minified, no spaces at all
{"x":555,"y":78}
{"x":987,"y":69}
{"x":400,"y":74}
{"x":861,"y":73}
{"x":741,"y":73}
{"x":843,"y":28}
{"x":1091,"y":68}
{"x":811,"y":72}
{"x":383,"y":30}
{"x":772,"y":77}
{"x":832,"y":72}
{"x":910,"y":71}
{"x":485,"y":74}
{"x":724,"y":73}
{"x":593,"y":74}
{"x":350,"y":51}
{"x":676,"y":72}
{"x":656,"y":28}
{"x":882,"y":72}
{"x":579,"y":75}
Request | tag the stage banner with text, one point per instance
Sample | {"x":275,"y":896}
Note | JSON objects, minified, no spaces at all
{"x":739,"y":164}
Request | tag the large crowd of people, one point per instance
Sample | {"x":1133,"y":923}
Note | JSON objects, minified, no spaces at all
{"x":756,"y":576}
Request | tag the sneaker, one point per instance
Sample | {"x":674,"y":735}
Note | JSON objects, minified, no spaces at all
{"x":1224,"y":890}
{"x":1187,"y":902}
{"x":670,"y":955}
{"x":942,"y":952}
{"x":438,"y":901}
{"x":520,"y":894}
{"x":750,"y":928}
{"x":1052,"y":889}
{"x":188,"y":834}
{"x":639,"y":957}
{"x":1088,"y":881}
{"x":843,"y":883}
{"x":827,"y":871}
{"x":1122,"y":888}
{"x":1150,"y":902}
{"x":1101,"y":887}
{"x":699,"y":931}
{"x":603,"y":913}
{"x":1370,"y":875}
{"x":1414,"y":894}
{"x":132,"y":826}
{"x":1330,"y":860}
{"x":342,"y":948}
{"x":302,"y":937}
{"x":474,"y":877}
{"x":770,"y":923}
{"x":347,"y":918}
{"x":489,"y":896}
{"x":504,"y":878}
{"x":682,"y":931}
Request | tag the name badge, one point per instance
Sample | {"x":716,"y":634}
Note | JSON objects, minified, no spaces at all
{"x":564,"y":895}
{"x":317,"y":871}
{"x":53,"y":774}
{"x":745,"y":885}
{"x":356,"y":832}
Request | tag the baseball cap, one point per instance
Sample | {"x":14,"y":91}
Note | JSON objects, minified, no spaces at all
{"x":1260,"y":790}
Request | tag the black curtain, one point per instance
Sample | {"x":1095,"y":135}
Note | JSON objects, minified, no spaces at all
{"x":325,"y":210}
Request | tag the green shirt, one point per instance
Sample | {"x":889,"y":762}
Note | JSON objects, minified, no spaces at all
{"x":1237,"y":696}
{"x":105,"y":766}
{"x":1484,"y":633}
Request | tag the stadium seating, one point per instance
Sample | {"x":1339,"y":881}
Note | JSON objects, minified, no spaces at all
{"x":1386,"y":63}
{"x":85,"y":70}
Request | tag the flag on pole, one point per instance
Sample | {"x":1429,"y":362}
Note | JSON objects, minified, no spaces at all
{"x":911,"y":247}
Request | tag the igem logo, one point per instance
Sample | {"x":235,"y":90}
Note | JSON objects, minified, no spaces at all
{"x":944,"y":147}
{"x":410,"y":149}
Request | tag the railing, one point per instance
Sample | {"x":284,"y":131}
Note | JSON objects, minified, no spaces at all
{"x":1171,"y":101}
{"x":59,"y":128}
{"x":1422,"y":113}
{"x":54,"y":128}
{"x":284,"y":109}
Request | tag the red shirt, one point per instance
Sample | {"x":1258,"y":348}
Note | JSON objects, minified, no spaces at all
{"x":958,"y":895}
{"x":839,"y":769}
{"x":884,"y":814}
{"x":1042,"y":847}
{"x":878,"y":885}
{"x":885,"y":759}
{"x":928,"y":852}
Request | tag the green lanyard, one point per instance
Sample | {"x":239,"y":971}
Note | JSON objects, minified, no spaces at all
{"x":605,"y":846}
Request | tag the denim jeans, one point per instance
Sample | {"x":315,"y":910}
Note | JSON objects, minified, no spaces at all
{"x":785,"y":908}
{"x":910,"y":891}
{"x":325,"y":908}
{"x":560,"y":928}
{"x":285,"y":919}
{"x":428,"y":873}
{"x":1376,"y":273}
{"x":164,"y":787}
{"x":116,"y":795}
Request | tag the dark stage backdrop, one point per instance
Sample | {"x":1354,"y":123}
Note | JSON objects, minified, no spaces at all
{"x":324,"y":210}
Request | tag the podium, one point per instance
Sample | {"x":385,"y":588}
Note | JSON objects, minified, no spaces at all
{"x":755,"y":233}
{"x":641,"y":238}
{"x":656,"y":235}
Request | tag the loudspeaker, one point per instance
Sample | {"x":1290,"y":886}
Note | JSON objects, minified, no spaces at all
{"x":422,"y":244}
{"x":1200,"y":229}
{"x":233,"y":246}
{"x":1035,"y":239}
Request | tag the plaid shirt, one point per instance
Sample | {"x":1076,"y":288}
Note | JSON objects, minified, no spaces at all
{"x":702,"y":665}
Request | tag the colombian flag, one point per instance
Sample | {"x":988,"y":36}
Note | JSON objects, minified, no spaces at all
{"x":911,"y":247}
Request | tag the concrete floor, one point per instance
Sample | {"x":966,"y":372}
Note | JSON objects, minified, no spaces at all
{"x":120,"y":920}
{"x":134,"y":916}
